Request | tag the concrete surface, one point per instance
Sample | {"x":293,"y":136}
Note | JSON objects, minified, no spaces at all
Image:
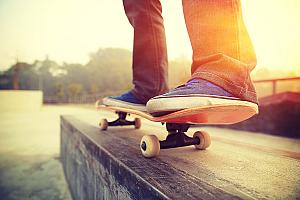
{"x":20,"y":100}
{"x":238,"y":164}
{"x":30,"y":166}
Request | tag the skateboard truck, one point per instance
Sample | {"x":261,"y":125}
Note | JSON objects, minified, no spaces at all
{"x":177,"y":136}
{"x":150,"y":145}
{"x":121,"y":121}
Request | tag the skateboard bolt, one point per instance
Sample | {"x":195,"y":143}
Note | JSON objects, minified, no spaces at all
{"x":144,"y":146}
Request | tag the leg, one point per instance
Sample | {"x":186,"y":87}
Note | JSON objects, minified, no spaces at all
{"x":223,"y":57}
{"x":149,"y":49}
{"x":150,"y":63}
{"x":222,"y":50}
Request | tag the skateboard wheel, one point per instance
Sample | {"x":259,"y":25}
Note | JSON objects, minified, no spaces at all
{"x":204,"y":140}
{"x":103,"y":124}
{"x":137,"y":123}
{"x":150,"y":146}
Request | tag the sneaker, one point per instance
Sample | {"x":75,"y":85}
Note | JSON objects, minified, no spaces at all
{"x":195,"y":93}
{"x":126,"y":100}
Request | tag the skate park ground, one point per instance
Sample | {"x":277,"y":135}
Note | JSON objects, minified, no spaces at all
{"x":238,"y":164}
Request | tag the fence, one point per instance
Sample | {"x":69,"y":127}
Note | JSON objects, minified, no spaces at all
{"x":82,"y":99}
{"x":269,"y":87}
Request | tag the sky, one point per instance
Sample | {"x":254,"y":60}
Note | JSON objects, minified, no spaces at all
{"x":69,"y":30}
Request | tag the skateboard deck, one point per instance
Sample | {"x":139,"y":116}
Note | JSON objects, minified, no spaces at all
{"x":178,"y":123}
{"x":211,"y":114}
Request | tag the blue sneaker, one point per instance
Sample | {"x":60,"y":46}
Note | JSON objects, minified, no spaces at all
{"x":195,"y":93}
{"x":126,"y":100}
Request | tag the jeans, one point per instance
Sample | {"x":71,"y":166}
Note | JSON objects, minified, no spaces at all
{"x":222,"y":50}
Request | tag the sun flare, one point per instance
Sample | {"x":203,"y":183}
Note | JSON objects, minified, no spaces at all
{"x":68,"y":31}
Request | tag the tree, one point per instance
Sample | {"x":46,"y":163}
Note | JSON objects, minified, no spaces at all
{"x":74,"y":89}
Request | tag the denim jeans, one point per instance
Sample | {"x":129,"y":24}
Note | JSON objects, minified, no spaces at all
{"x":222,"y":50}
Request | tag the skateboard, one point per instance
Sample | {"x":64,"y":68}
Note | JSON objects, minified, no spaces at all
{"x":178,"y":123}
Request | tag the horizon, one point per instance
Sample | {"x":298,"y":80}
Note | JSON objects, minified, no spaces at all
{"x":64,"y":35}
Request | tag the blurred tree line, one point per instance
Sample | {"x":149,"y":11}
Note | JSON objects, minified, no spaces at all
{"x":108,"y":71}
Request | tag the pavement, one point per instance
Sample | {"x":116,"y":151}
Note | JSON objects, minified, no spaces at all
{"x":250,"y":165}
{"x":30,"y":165}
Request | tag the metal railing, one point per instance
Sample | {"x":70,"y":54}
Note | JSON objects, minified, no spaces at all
{"x":277,"y":85}
{"x":81,"y":99}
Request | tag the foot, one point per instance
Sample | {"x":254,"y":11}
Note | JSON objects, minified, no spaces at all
{"x":194,"y":93}
{"x":126,"y":100}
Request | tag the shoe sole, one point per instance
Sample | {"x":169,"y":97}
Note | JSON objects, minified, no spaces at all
{"x":116,"y":103}
{"x":175,"y":103}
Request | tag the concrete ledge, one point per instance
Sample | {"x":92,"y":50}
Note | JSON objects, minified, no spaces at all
{"x":99,"y":165}
{"x":20,"y":101}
